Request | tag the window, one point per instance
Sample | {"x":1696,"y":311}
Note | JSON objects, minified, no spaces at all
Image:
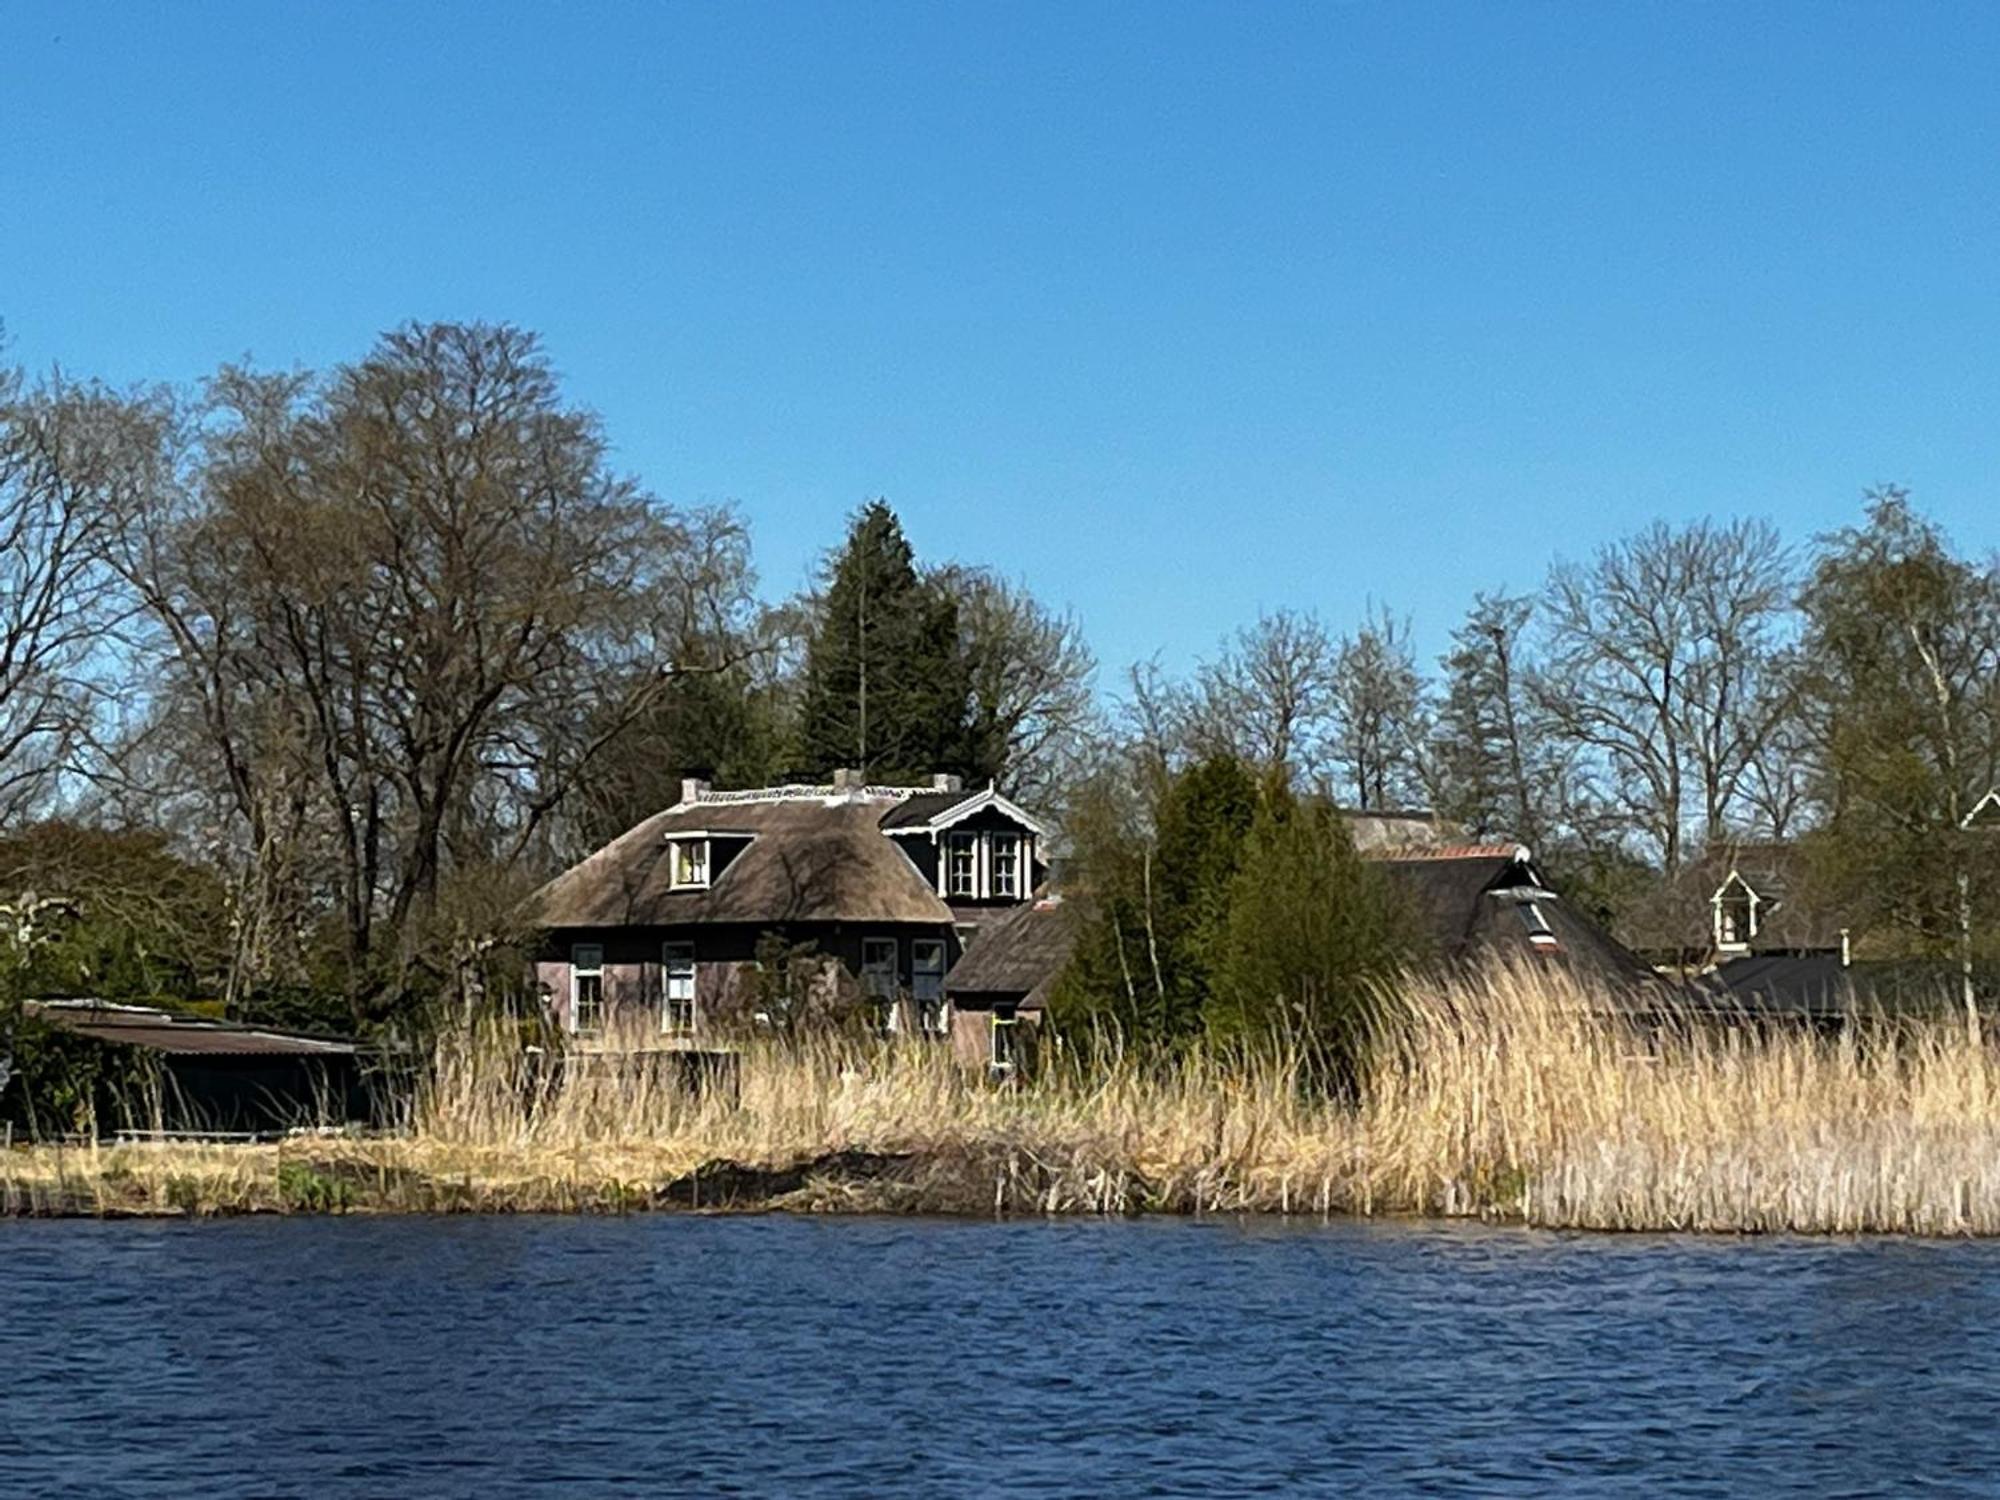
{"x":586,"y":989}
{"x":961,"y":864}
{"x":1735,"y":918}
{"x":1540,"y":934}
{"x":927,"y":985}
{"x":677,"y":988}
{"x":690,"y":862}
{"x":878,"y":978}
{"x":1007,"y":865}
{"x":1004,"y":1048}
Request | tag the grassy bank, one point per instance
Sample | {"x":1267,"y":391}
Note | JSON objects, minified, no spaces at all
{"x":1513,"y":1100}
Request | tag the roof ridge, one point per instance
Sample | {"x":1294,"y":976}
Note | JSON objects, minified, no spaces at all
{"x":1506,"y":850}
{"x":806,"y":792}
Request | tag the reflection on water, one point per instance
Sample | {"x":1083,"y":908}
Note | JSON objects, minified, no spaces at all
{"x":784,"y":1356}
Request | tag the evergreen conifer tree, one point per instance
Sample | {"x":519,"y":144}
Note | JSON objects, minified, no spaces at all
{"x":886,"y":687}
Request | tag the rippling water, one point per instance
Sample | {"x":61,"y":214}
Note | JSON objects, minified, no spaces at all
{"x":782,"y":1356}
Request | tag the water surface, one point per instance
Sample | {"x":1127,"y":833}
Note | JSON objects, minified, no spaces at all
{"x":809,"y":1357}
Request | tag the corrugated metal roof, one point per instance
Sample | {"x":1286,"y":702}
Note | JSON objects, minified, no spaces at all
{"x":163,"y":1031}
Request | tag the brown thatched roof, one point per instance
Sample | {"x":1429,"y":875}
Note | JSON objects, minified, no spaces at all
{"x":1480,"y":901}
{"x":1017,"y":958}
{"x":788,"y":859}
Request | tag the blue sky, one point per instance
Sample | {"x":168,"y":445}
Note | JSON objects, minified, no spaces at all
{"x":1175,"y":311}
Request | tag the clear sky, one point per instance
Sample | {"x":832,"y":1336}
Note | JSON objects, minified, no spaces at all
{"x":1175,"y":311}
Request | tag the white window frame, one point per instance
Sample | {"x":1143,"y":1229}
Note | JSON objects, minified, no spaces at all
{"x":971,"y":843}
{"x":1004,"y":1053}
{"x":933,"y":1009}
{"x":700,"y":855}
{"x":995,"y":843}
{"x":580,"y":970}
{"x":679,"y":957}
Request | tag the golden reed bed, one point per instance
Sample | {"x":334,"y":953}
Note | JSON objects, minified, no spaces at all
{"x":1513,"y":1099}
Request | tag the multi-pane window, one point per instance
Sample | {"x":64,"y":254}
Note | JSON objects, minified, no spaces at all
{"x":677,"y":994}
{"x":961,"y":857}
{"x":878,"y":968}
{"x":878,"y":978}
{"x":690,"y":862}
{"x":1007,"y":865}
{"x":586,"y":988}
{"x":927,"y":985}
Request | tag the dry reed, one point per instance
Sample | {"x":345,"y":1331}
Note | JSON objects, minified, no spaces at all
{"x":1518,"y":1097}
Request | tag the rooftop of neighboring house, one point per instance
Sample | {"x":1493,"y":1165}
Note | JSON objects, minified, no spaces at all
{"x":1768,"y":890}
{"x":1475,"y":901}
{"x":1468,"y":900}
{"x":1017,"y":958}
{"x":160,"y":1030}
{"x":794,"y":853}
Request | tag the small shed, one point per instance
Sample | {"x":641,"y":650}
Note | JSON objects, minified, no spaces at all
{"x":220,"y":1076}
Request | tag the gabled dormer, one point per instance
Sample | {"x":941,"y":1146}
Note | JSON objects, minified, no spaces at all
{"x":1737,"y":911}
{"x":1985,"y":814}
{"x":975,"y":848}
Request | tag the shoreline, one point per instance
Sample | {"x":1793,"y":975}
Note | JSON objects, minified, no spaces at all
{"x":388,"y":1178}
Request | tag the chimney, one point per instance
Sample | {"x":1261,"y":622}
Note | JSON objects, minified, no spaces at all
{"x":692,"y":788}
{"x":847,"y":779}
{"x":945,"y":781}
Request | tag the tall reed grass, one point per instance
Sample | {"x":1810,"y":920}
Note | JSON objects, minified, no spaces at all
{"x":1516,"y":1097}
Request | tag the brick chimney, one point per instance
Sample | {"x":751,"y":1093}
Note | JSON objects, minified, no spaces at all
{"x":945,"y":781}
{"x":847,"y":779}
{"x":691,"y":789}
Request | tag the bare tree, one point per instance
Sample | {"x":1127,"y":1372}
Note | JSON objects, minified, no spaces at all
{"x":1661,"y":670}
{"x":1379,"y":721}
{"x":1268,"y":696}
{"x":63,"y":460}
{"x":408,"y":606}
{"x":1029,"y":674}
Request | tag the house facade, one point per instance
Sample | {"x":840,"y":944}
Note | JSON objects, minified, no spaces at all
{"x":731,"y":905}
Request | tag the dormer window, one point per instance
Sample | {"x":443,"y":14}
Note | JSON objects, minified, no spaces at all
{"x":1735,"y":916}
{"x":992,"y":866}
{"x":690,"y":864}
{"x":1541,"y":936}
{"x":961,"y":855}
{"x":1007,"y":865}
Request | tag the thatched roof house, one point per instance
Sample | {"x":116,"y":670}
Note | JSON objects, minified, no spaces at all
{"x":860,"y":894}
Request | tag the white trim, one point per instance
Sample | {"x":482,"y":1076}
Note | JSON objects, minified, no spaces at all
{"x":676,"y":843}
{"x":669,"y":952}
{"x":1991,"y":799}
{"x":577,"y":970}
{"x":949,"y":891}
{"x":991,"y":797}
{"x":1022,"y":844}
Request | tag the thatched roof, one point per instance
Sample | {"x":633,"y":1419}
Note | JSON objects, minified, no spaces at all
{"x":1483,"y":900}
{"x":1017,"y":958}
{"x":788,"y":859}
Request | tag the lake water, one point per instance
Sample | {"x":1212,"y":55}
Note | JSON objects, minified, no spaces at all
{"x":807,"y":1357}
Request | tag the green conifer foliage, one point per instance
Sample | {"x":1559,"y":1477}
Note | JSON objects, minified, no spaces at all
{"x":886,"y":685}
